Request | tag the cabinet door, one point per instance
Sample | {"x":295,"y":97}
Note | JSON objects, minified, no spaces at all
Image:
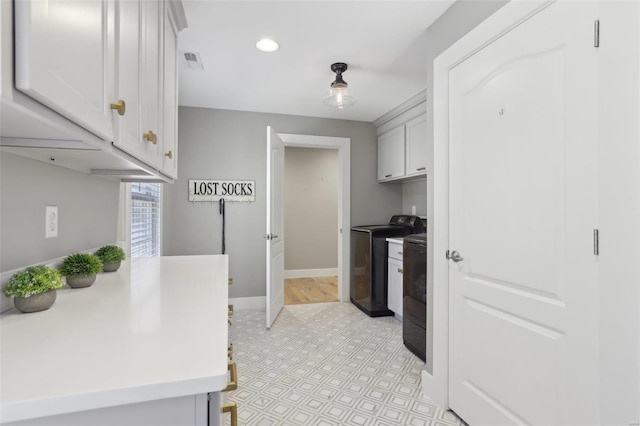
{"x":391,"y":154}
{"x":416,"y":146}
{"x":151,"y":82}
{"x":63,"y":59}
{"x":170,"y":96}
{"x":128,"y":49}
{"x":394,"y":288}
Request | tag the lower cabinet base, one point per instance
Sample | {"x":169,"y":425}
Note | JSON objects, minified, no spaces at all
{"x":215,"y":409}
{"x":184,"y":410}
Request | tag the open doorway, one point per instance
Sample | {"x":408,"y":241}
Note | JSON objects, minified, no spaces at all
{"x":311,"y":194}
{"x":343,"y":148}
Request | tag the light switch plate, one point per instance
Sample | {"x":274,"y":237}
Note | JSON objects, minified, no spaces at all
{"x":51,"y":222}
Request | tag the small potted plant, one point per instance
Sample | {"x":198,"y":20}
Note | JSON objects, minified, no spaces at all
{"x":34,"y":289}
{"x":111,"y":257}
{"x":80,"y":269}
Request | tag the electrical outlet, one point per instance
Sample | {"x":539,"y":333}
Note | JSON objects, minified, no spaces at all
{"x":51,"y":222}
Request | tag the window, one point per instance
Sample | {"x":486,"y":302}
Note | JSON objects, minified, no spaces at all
{"x":145,"y":219}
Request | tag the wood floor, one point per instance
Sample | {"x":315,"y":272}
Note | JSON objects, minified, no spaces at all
{"x":310,"y":290}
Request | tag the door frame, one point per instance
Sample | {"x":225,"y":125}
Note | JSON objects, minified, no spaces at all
{"x":343,"y":145}
{"x":435,"y":383}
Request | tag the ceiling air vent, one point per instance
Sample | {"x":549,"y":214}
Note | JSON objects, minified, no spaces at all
{"x":191,"y":60}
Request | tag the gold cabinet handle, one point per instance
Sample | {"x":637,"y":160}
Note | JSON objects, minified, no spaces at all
{"x":230,"y":310}
{"x":230,"y":351}
{"x":229,"y":321}
{"x":233,"y":382}
{"x":232,"y":408}
{"x":150,"y":136}
{"x":400,"y":253}
{"x":400,"y":270}
{"x":230,"y":281}
{"x":120,"y":107}
{"x":169,"y":155}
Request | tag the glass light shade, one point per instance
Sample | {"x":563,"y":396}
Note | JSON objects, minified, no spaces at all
{"x":339,"y":96}
{"x":267,"y":45}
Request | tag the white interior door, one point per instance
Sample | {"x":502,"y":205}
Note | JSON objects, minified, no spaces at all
{"x":523,"y":192}
{"x":275,"y":226}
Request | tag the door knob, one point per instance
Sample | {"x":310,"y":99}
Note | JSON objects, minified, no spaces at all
{"x":455,"y":256}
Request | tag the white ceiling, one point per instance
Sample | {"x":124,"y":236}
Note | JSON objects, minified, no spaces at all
{"x":383,"y":42}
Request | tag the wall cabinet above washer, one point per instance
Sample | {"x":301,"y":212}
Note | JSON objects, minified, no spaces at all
{"x":402,"y":141}
{"x":391,"y":154}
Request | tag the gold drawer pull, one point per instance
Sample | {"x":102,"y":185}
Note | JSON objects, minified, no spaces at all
{"x":120,"y":107}
{"x":400,"y":270}
{"x":230,"y":281}
{"x":230,"y":310}
{"x":230,"y":351}
{"x":400,"y":253}
{"x":229,"y":321}
{"x":169,"y":155}
{"x":232,"y":408}
{"x":151,"y":137}
{"x":233,"y":383}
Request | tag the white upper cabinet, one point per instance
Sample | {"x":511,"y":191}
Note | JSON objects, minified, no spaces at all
{"x":416,"y":146}
{"x":402,"y":141}
{"x":151,"y":79}
{"x":110,"y":67}
{"x":139,"y":87}
{"x":170,"y":102}
{"x":128,"y":50}
{"x":391,"y":154}
{"x":63,"y":59}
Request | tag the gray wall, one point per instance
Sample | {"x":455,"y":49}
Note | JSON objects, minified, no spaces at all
{"x":87,"y":210}
{"x":458,"y":20}
{"x":415,"y":194}
{"x":218,"y":144}
{"x":310,"y":208}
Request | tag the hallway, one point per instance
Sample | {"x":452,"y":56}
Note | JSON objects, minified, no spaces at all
{"x":310,"y":290}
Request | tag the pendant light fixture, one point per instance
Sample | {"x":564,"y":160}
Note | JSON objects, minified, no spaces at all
{"x":339,"y":95}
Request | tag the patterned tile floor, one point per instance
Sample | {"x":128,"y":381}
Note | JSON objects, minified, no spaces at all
{"x":328,"y":364}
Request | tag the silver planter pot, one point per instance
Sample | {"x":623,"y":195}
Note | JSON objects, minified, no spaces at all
{"x":35,"y":303}
{"x":111,"y":267}
{"x":79,"y":281}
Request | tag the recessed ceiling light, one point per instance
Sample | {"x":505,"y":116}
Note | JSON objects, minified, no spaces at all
{"x":267,"y":45}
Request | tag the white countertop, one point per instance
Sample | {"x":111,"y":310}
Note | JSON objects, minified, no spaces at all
{"x":156,"y":328}
{"x":395,"y":240}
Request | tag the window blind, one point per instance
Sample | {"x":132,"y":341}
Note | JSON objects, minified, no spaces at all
{"x":145,"y":219}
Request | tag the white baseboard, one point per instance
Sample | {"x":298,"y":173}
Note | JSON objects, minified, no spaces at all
{"x":308,"y":273}
{"x":258,"y":303}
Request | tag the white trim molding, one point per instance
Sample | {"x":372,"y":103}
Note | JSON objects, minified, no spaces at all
{"x":257,"y":303}
{"x":310,"y":273}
